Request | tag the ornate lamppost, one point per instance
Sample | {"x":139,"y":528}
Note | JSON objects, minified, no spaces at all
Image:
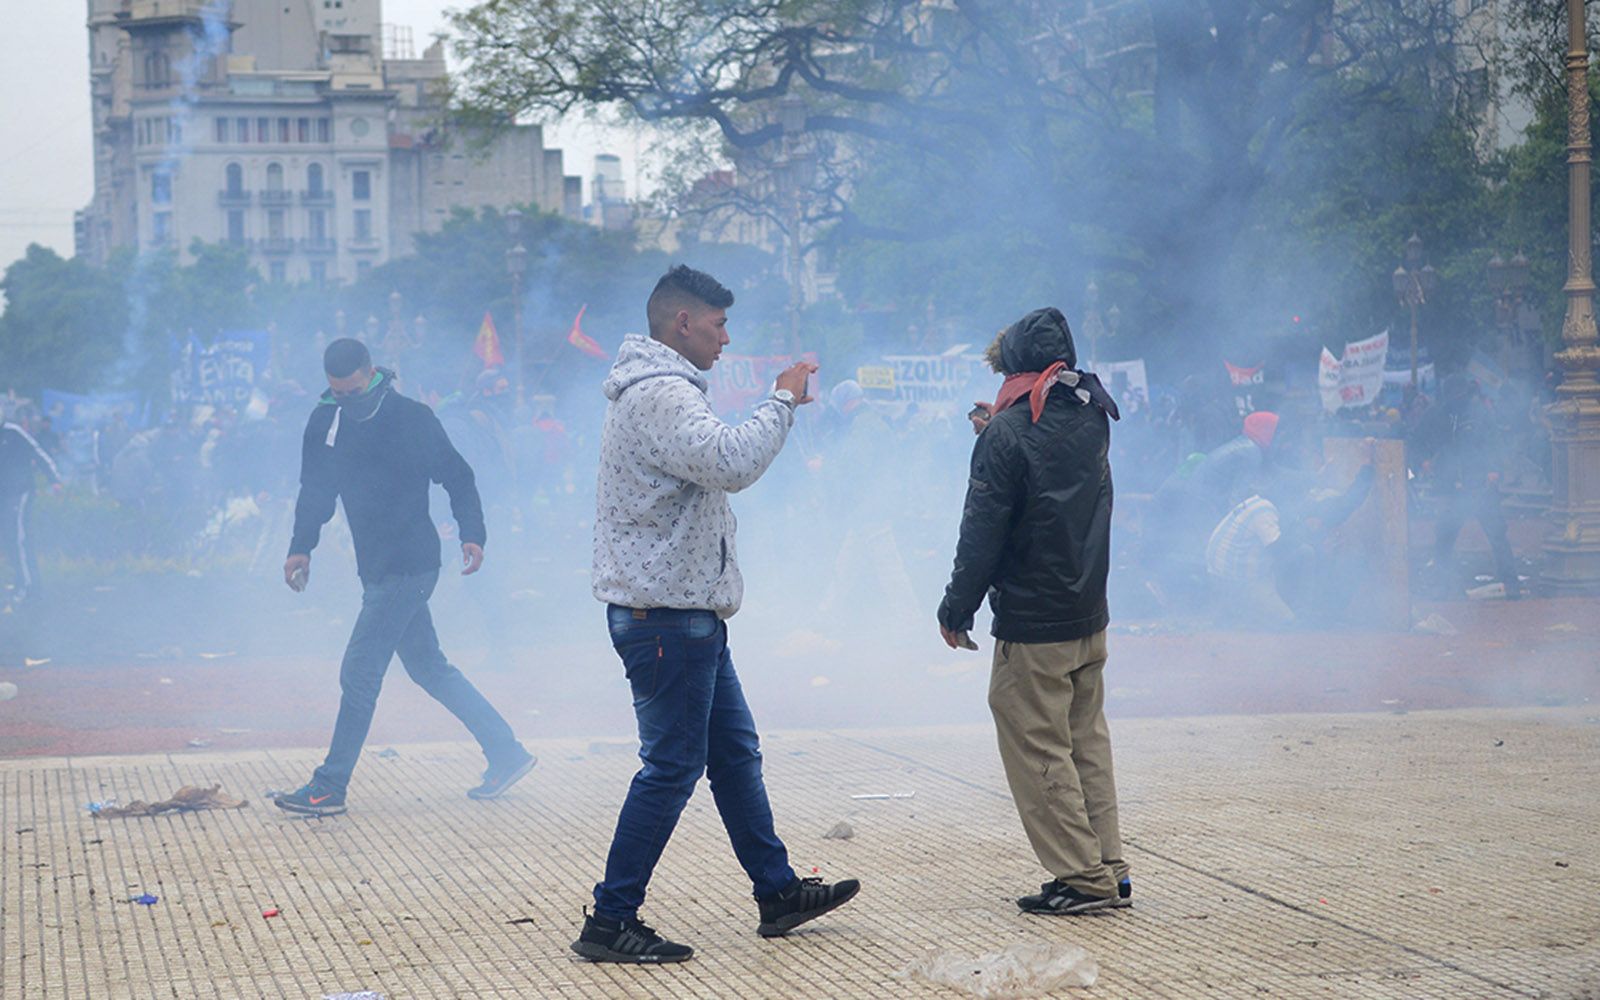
{"x":516,"y":266}
{"x":1572,"y":547}
{"x":1412,"y":288}
{"x":1514,"y":317}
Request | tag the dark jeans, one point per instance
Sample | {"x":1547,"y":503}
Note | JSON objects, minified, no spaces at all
{"x":394,"y":619}
{"x":692,"y":720}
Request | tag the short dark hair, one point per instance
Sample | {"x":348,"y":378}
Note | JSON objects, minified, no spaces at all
{"x":345,"y":356}
{"x":680,"y":286}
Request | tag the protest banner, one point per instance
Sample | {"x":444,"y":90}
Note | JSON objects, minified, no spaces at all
{"x":1245,"y":376}
{"x":736,"y":381}
{"x":1357,"y":378}
{"x":936,"y":381}
{"x":222,"y":373}
{"x":1127,"y":383}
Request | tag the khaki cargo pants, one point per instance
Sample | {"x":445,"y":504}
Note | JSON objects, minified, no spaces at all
{"x":1047,"y":700}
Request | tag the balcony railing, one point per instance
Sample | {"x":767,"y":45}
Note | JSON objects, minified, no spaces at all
{"x":276,"y":197}
{"x":367,"y":242}
{"x":316,"y":244}
{"x":323,"y":197}
{"x":233,"y":199}
{"x":277,"y":244}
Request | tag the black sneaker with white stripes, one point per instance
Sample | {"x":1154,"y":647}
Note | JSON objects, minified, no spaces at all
{"x":806,"y":899}
{"x":1056,"y":898}
{"x":605,"y":940}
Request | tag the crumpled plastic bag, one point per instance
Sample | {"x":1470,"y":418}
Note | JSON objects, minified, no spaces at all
{"x":1025,"y":969}
{"x":189,"y":798}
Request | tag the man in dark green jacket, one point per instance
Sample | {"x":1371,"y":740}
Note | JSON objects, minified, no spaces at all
{"x":1036,"y":538}
{"x":377,"y":451}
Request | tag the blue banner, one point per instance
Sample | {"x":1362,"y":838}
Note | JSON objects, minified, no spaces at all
{"x":222,"y":373}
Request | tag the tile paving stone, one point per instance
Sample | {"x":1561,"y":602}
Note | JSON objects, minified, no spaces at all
{"x":1403,"y":856}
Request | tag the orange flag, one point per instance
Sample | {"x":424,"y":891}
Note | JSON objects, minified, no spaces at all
{"x":582,"y":341}
{"x":487,"y":346}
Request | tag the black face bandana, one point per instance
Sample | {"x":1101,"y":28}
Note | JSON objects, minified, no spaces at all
{"x":365,"y":405}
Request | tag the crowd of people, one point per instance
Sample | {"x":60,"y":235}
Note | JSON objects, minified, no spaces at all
{"x":214,"y":482}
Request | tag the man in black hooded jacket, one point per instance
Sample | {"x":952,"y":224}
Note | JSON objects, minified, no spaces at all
{"x":1036,"y":537}
{"x":377,"y":451}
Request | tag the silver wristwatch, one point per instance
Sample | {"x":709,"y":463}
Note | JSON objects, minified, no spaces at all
{"x":785,"y":397}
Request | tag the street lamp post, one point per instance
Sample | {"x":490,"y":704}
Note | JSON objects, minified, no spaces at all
{"x":517,"y":265}
{"x":1572,"y":547}
{"x":1412,"y":288}
{"x":1516,"y":320}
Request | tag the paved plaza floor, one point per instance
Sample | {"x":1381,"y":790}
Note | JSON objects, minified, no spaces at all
{"x":1433,"y":854}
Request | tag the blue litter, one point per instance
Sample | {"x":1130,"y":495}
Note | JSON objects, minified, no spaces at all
{"x":146,"y":900}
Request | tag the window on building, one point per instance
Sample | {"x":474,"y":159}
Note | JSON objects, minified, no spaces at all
{"x":175,"y":131}
{"x":319,"y":272}
{"x":324,"y":130}
{"x":317,"y":225}
{"x":263,"y":130}
{"x":274,"y":177}
{"x":241,"y":128}
{"x":283,"y":130}
{"x":278,"y":272}
{"x":222,"y":130}
{"x":234,"y":175}
{"x":363,"y":224}
{"x":157,"y":69}
{"x":361,"y":185}
{"x":161,"y":188}
{"x":314,"y":180}
{"x":235,"y":226}
{"x":161,"y":227}
{"x":350,"y":44}
{"x":275,"y":224}
{"x":302,"y":129}
{"x":363,"y":268}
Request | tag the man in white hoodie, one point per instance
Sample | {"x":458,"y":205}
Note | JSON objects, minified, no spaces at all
{"x":665,"y":565}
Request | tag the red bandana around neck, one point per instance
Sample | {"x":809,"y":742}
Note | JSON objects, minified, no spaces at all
{"x":1034,"y":385}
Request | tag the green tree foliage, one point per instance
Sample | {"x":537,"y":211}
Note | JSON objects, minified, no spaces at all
{"x":62,"y":326}
{"x":1016,"y":144}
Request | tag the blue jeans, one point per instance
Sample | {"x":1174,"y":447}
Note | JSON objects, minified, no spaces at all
{"x":693,"y":719}
{"x":394,"y":619}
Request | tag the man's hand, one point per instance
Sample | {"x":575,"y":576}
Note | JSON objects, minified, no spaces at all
{"x":296,"y":572}
{"x":980,"y":415}
{"x":471,"y":558}
{"x":956,"y":640}
{"x":795,"y":377}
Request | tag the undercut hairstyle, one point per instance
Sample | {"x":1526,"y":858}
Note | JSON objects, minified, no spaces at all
{"x":680,"y":287}
{"x":344,"y":357}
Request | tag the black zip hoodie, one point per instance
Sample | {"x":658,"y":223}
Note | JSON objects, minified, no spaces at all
{"x":381,"y":467}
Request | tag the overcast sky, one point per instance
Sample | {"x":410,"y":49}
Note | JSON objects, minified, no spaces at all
{"x":46,"y":167}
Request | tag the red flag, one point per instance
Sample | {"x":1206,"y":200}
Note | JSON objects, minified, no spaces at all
{"x":487,"y":346}
{"x":582,"y":341}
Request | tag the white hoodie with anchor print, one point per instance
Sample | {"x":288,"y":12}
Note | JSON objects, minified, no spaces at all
{"x":663,"y":534}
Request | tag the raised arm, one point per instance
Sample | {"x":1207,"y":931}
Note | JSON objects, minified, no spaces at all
{"x":687,"y":440}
